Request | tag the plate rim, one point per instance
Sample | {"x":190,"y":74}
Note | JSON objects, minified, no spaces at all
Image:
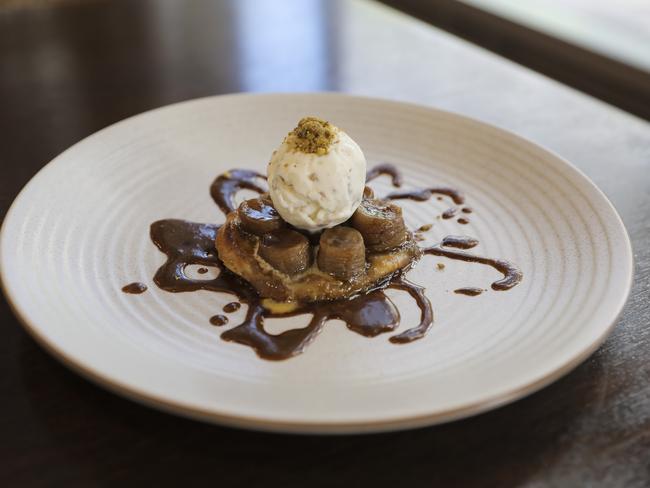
{"x":213,"y":415}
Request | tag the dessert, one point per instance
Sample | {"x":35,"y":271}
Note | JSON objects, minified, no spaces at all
{"x":315,"y":237}
{"x":316,"y":240}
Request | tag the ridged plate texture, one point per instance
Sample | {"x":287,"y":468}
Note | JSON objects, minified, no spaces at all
{"x":79,"y":232}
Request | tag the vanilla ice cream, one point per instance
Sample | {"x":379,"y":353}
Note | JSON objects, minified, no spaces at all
{"x":317,"y":176}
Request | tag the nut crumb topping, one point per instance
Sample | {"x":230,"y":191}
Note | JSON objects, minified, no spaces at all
{"x":312,"y":136}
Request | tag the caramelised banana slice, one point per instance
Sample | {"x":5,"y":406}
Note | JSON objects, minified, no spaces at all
{"x":341,"y":252}
{"x":380,"y":223}
{"x":286,"y":250}
{"x":257,"y":216}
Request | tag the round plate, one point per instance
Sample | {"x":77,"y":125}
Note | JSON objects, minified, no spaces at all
{"x":79,"y":232}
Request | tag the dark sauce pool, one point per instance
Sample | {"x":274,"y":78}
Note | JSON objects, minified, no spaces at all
{"x":370,"y":314}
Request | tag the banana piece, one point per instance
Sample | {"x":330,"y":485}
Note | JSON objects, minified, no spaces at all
{"x":286,"y":250}
{"x":257,"y":216}
{"x":380,"y":223}
{"x":341,"y":252}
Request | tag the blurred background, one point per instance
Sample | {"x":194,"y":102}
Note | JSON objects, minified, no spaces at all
{"x":71,"y":67}
{"x":597,"y":46}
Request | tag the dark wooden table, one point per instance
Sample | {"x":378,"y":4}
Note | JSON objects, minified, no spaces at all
{"x":71,"y":69}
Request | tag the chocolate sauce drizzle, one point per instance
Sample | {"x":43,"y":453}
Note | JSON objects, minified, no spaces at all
{"x":511,"y":274}
{"x":227,"y":185}
{"x":385,"y":169}
{"x":187,"y":243}
{"x":419,"y":195}
{"x":370,"y":314}
{"x":422,"y":195}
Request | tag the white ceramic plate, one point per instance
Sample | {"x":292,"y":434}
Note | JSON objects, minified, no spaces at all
{"x":79,"y":231}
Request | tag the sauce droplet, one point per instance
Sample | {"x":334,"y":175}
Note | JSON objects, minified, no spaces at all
{"x":469,"y":291}
{"x":135,"y":288}
{"x":459,"y":242}
{"x":219,"y":320}
{"x":449,"y":213}
{"x":231,"y":307}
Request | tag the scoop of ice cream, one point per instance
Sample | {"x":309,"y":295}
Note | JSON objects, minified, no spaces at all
{"x":317,"y":176}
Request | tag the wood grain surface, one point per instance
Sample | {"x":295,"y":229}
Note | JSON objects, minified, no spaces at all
{"x":69,"y":70}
